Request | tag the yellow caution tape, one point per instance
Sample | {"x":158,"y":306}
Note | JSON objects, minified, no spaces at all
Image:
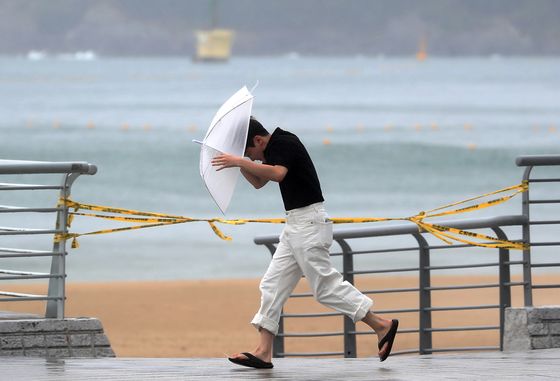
{"x":446,"y":234}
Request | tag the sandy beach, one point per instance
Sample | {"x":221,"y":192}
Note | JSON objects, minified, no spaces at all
{"x":210,"y":318}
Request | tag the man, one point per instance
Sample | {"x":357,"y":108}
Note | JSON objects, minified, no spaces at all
{"x":304,"y":243}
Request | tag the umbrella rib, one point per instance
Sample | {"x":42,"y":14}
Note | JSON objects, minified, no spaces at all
{"x":223,"y":116}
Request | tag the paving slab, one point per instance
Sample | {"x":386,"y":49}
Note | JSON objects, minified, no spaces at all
{"x":534,"y":365}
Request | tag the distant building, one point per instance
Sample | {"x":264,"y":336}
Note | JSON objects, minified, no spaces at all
{"x":213,"y":45}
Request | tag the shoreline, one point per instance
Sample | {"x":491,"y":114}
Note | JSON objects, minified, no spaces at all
{"x":210,"y":318}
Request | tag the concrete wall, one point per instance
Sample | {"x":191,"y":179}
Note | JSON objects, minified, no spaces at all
{"x":73,"y":337}
{"x":529,"y":328}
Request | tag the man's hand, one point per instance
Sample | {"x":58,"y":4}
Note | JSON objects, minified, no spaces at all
{"x":226,"y":161}
{"x":258,"y":174}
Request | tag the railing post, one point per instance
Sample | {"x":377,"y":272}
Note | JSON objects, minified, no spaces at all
{"x":425,"y":314}
{"x":505,"y":282}
{"x":527,"y":278}
{"x":57,"y":282}
{"x":348,"y":275}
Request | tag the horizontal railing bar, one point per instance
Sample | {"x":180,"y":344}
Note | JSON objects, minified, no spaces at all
{"x":460,"y":308}
{"x":17,"y":167}
{"x":23,"y":231}
{"x":23,"y":251}
{"x":544,"y":180}
{"x":30,"y":255}
{"x":370,"y":332}
{"x":438,"y":247}
{"x":551,"y":201}
{"x":302,"y":295}
{"x":398,"y":311}
{"x":390,"y":290}
{"x":30,"y":299}
{"x":536,"y":244}
{"x":7,"y":252}
{"x":15,"y":272}
{"x":397,"y":270}
{"x":13,"y":186}
{"x":310,"y":354}
{"x":458,"y":329}
{"x":310,"y":334}
{"x":546,"y":285}
{"x":411,"y":228}
{"x":514,"y":262}
{"x":545,"y":222}
{"x":19,"y":277}
{"x":404,"y":249}
{"x":317,"y":314}
{"x":462,"y":349}
{"x":18,"y":209}
{"x":405,"y":352}
{"x":459,"y":246}
{"x":20,"y":295}
{"x":537,"y":160}
{"x":438,"y":288}
{"x":555,"y":264}
{"x":514,"y":283}
{"x":493,"y":264}
{"x":383,"y":250}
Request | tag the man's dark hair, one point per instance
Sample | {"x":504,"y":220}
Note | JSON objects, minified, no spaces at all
{"x":255,"y":129}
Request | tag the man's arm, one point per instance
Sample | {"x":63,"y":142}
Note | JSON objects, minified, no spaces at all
{"x":255,"y":181}
{"x":256,"y":173}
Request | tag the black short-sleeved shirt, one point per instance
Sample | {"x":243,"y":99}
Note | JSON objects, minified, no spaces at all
{"x":301,"y":185}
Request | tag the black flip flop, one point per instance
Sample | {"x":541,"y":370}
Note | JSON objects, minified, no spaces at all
{"x":389,"y":339}
{"x":251,"y":361}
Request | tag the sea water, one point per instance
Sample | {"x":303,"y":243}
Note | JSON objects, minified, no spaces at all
{"x":389,"y":137}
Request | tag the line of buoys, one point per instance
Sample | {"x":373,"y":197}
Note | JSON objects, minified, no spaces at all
{"x":359,"y":128}
{"x":551,"y":129}
{"x":471,"y":146}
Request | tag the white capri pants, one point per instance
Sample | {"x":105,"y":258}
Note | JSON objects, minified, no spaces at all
{"x":304,"y":250}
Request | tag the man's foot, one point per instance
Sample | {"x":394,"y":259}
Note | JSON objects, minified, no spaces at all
{"x":386,"y":339}
{"x":250,"y":360}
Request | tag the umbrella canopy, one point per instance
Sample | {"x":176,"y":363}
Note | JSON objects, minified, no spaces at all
{"x":227,"y":134}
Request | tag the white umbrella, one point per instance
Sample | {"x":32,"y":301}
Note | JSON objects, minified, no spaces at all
{"x":227,"y":134}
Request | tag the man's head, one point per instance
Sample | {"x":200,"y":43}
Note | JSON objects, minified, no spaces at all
{"x":257,"y":139}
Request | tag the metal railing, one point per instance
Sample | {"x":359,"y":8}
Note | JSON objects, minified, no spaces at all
{"x":424,"y":289}
{"x":70,"y":171}
{"x":530,"y":162}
